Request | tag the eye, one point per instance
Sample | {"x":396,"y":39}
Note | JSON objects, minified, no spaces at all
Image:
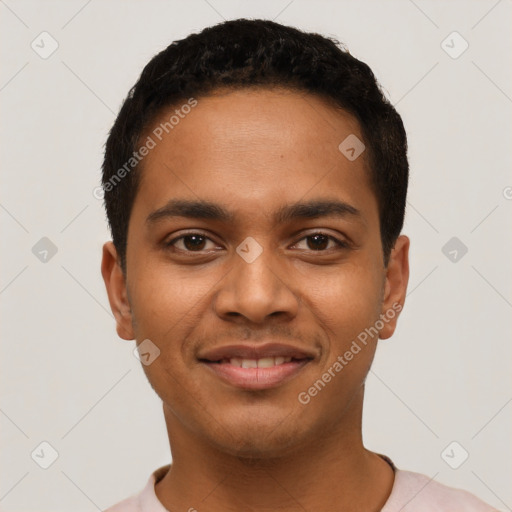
{"x":190,"y":242}
{"x":197,"y":242}
{"x":320,"y":242}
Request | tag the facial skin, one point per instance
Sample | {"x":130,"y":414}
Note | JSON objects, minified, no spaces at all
{"x":252,"y":152}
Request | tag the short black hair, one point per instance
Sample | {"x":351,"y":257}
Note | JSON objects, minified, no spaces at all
{"x":242,"y":53}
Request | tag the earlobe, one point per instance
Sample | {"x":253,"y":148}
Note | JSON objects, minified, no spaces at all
{"x":115,"y":284}
{"x":395,"y":288}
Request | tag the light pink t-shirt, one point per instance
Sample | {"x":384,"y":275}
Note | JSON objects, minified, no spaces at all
{"x":411,"y":492}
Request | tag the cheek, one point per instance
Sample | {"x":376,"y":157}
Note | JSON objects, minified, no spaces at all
{"x":165,"y":300}
{"x":165,"y":310}
{"x":345,"y":305}
{"x":346,"y":300}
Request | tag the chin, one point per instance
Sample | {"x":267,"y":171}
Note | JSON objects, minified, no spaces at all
{"x":256,"y":440}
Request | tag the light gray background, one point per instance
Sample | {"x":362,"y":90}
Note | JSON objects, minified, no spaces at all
{"x":69,"y":380}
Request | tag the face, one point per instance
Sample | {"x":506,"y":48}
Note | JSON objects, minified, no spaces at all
{"x":251,"y":228}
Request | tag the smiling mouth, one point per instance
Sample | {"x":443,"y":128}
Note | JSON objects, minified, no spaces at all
{"x":264,"y":362}
{"x":263,"y":373}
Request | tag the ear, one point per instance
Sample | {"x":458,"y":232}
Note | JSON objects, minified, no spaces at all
{"x":116,"y":289}
{"x":397,"y":278}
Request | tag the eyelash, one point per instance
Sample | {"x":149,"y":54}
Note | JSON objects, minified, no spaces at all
{"x":340,"y":244}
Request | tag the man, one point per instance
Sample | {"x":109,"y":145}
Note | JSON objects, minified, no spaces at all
{"x":255,"y":184}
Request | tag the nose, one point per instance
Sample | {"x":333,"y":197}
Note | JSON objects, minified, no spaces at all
{"x":256,"y":290}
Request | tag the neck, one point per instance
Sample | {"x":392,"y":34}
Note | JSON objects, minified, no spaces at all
{"x":329,"y":471}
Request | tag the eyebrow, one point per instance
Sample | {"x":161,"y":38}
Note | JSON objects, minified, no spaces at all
{"x":207,"y":210}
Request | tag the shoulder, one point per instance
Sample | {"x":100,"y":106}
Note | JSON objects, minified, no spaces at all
{"x":414,"y":492}
{"x":146,"y":499}
{"x":130,"y":504}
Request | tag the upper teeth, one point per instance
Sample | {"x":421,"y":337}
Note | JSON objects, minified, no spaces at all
{"x":265,"y":362}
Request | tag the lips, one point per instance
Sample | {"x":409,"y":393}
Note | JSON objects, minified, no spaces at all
{"x":256,"y":366}
{"x":256,"y":352}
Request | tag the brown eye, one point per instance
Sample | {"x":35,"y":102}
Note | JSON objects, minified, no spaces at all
{"x":320,"y":242}
{"x":192,"y":242}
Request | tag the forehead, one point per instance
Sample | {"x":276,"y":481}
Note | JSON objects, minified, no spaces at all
{"x":230,"y":124}
{"x":252,"y":149}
